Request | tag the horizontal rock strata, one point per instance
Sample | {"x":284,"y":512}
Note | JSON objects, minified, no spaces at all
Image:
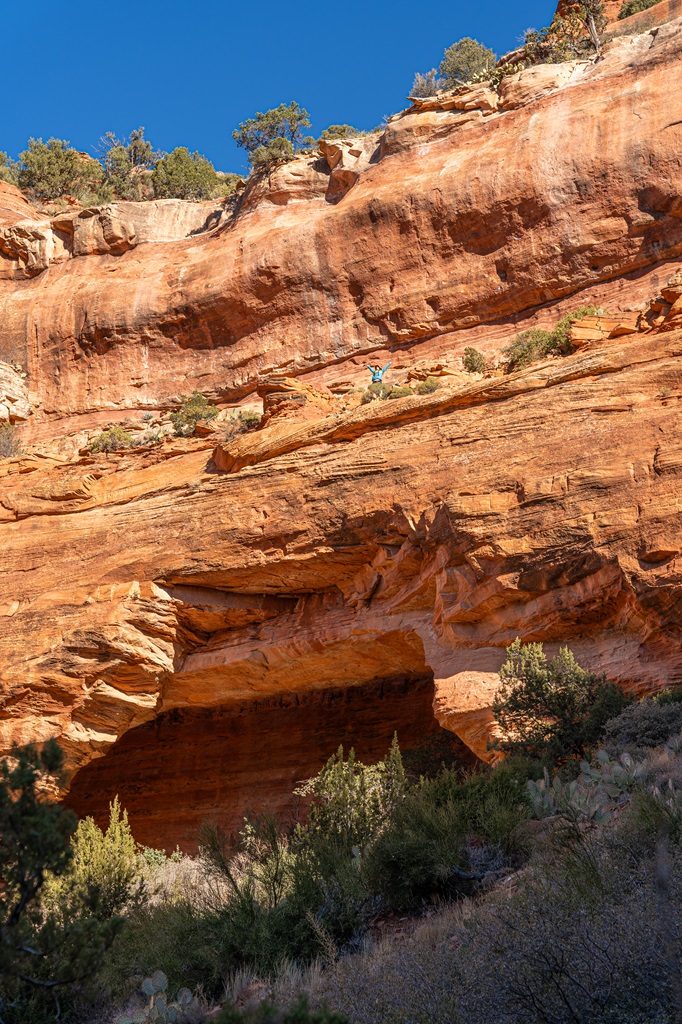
{"x":331,"y":544}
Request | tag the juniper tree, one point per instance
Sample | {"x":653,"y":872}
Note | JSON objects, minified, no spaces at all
{"x":266,"y":135}
{"x":466,"y":61}
{"x":42,"y":950}
{"x":551,"y":710}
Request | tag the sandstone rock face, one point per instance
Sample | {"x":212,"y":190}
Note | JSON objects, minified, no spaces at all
{"x":26,"y":242}
{"x":421,"y":537}
{"x":31,"y":242}
{"x":659,"y":14}
{"x":347,"y":159}
{"x":343,"y":544}
{"x":14,"y":404}
{"x":480,"y":221}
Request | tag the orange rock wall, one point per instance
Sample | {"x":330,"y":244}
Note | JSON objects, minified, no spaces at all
{"x":462,"y":223}
{"x":343,"y":545}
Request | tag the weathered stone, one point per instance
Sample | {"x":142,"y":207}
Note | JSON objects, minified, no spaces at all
{"x":343,"y":545}
{"x":427,"y":244}
{"x":14,"y":403}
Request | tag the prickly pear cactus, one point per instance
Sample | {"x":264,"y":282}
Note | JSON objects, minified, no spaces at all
{"x":160,"y":1010}
{"x":593,"y":797}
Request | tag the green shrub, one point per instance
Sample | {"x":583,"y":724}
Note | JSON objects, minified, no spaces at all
{"x":184,"y":175}
{"x":376,"y":392}
{"x":447,"y":835}
{"x":673,"y":695}
{"x":9,"y":446}
{"x":9,"y":169}
{"x":284,"y":900}
{"x":276,"y":152}
{"x":106,"y":874}
{"x":561,"y":335}
{"x":52,"y":169}
{"x":527,"y":347}
{"x":426,"y":85}
{"x":400,"y":392}
{"x":466,"y":61}
{"x":474,"y":361}
{"x":227,"y":183}
{"x":433,"y":754}
{"x":635,"y":6}
{"x":428,"y":386}
{"x":643,"y":725}
{"x":351,"y":802}
{"x":295,"y":897}
{"x":340,"y":131}
{"x":274,"y":135}
{"x":537,"y":343}
{"x":125,"y":163}
{"x":242,"y":423}
{"x":573,"y":34}
{"x":380,"y":392}
{"x":111,"y":440}
{"x":193,"y":408}
{"x":185,"y":937}
{"x":42,"y":950}
{"x":554,"y":710}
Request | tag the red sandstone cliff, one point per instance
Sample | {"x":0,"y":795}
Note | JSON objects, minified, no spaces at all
{"x":341,"y":546}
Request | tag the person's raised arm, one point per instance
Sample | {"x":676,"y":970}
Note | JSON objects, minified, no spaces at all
{"x":385,"y":367}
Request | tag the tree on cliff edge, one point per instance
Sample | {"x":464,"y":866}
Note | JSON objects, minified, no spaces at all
{"x":466,"y":61}
{"x":54,"y":168}
{"x":275,"y":135}
{"x":185,"y":175}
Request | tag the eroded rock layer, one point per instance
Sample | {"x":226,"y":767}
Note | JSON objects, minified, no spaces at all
{"x":342,"y":543}
{"x":460,"y":217}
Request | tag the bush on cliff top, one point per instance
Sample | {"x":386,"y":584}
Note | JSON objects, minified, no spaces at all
{"x":572,"y":34}
{"x":635,"y":6}
{"x":185,"y":175}
{"x":466,"y":61}
{"x":428,"y":84}
{"x":9,"y":169}
{"x":127,"y":163}
{"x":340,"y":131}
{"x":275,"y":135}
{"x":53,"y":169}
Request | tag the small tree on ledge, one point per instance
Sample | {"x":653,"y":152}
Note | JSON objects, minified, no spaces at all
{"x":273,"y":136}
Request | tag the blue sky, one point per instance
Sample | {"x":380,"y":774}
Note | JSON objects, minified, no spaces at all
{"x":191,"y":71}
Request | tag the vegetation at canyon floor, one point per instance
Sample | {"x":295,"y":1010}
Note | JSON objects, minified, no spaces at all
{"x":544,"y":888}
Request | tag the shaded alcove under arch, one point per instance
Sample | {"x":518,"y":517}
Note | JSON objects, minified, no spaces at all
{"x":218,"y":762}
